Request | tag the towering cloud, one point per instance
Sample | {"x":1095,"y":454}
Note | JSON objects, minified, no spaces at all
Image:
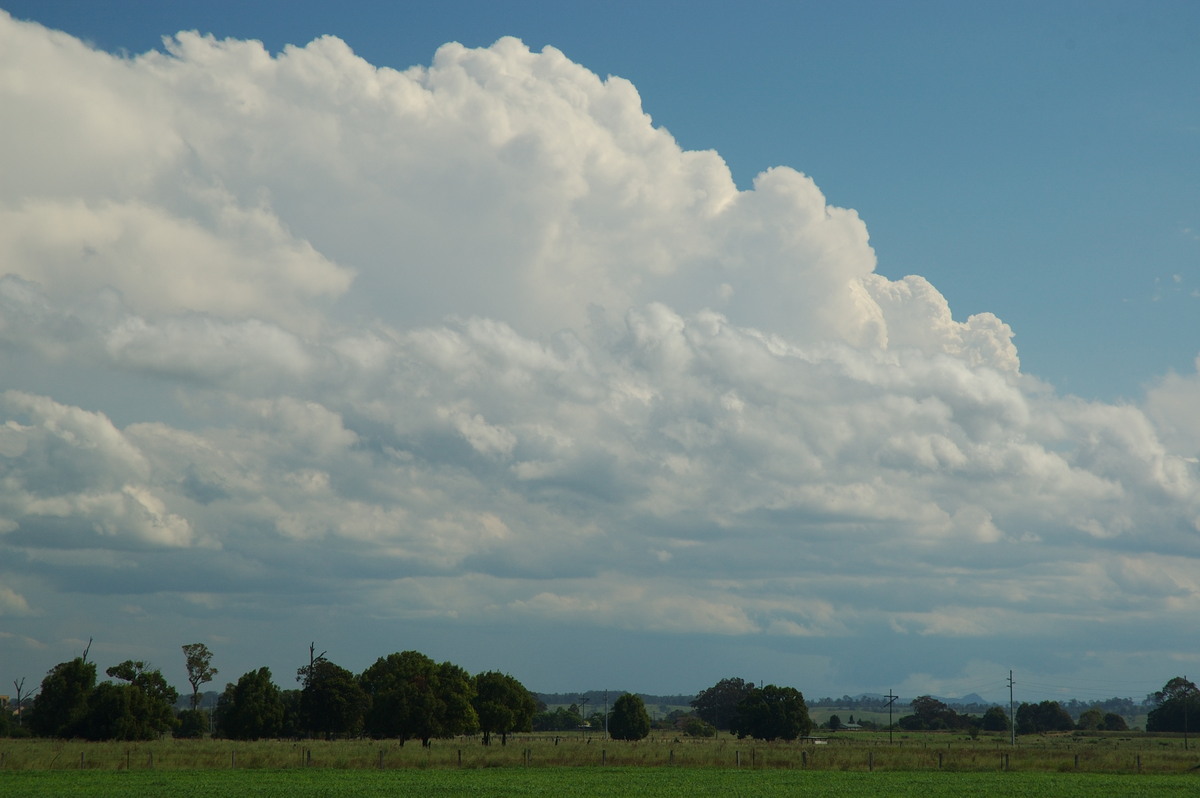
{"x":487,"y":344}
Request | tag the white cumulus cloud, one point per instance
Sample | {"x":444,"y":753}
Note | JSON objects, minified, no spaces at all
{"x":478,"y":341}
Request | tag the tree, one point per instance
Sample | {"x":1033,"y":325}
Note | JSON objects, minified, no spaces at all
{"x":503,"y":705}
{"x":1177,"y":707}
{"x":835,"y":723}
{"x":773,"y":713}
{"x":332,"y":703}
{"x":22,"y":698}
{"x":251,"y":709}
{"x":1047,"y":716}
{"x":61,"y":706}
{"x":995,"y":720}
{"x":413,"y":697}
{"x":151,"y":701}
{"x":456,"y":693}
{"x":111,"y":714}
{"x":1114,"y":722}
{"x":197,"y":659}
{"x":718,"y":704}
{"x":629,"y":719}
{"x":930,"y":714}
{"x":1091,"y":720}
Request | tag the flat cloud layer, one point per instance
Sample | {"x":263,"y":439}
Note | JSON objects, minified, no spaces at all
{"x":477,"y":344}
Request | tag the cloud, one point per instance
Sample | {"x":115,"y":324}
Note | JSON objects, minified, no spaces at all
{"x":477,"y":341}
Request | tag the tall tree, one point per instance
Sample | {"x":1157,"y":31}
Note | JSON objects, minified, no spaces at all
{"x":773,"y":713}
{"x":198,"y":660}
{"x":629,"y":719}
{"x":61,"y":706}
{"x":503,"y":706}
{"x":718,"y":704}
{"x":1177,"y":707}
{"x":251,"y":709}
{"x":332,"y":703}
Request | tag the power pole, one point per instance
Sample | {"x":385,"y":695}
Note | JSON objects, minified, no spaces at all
{"x":891,"y":700}
{"x":1012,"y":720}
{"x":606,"y":714}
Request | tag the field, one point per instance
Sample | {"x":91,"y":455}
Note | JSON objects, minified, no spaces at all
{"x":595,"y":782}
{"x":927,"y":765}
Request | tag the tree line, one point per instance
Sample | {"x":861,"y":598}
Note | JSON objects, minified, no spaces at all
{"x":402,"y":696}
{"x":408,"y":696}
{"x":734,"y":705}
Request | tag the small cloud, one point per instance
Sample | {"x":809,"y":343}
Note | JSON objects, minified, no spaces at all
{"x":13,"y":603}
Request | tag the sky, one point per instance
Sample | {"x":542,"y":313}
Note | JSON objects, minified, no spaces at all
{"x":851,"y":347}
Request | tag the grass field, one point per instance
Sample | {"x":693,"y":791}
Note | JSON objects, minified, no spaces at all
{"x":850,"y":752}
{"x":598,"y":782}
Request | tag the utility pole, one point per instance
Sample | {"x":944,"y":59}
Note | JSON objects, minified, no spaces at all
{"x":891,"y":700}
{"x":605,"y":714}
{"x":1012,"y":720}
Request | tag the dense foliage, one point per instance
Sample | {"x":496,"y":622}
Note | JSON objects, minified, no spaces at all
{"x":773,"y":713}
{"x":252,"y":709}
{"x":71,"y":704}
{"x":503,"y":705}
{"x":1047,"y":716}
{"x":1177,"y":707}
{"x":412,"y":697}
{"x":629,"y":719}
{"x":332,"y":703}
{"x":718,"y":705}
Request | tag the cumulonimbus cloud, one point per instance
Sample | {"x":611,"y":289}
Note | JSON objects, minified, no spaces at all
{"x":484,"y":323}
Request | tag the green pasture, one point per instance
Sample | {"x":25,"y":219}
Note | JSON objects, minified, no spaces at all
{"x":597,"y":782}
{"x":1115,"y":753}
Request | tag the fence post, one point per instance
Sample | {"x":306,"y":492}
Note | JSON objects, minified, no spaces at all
{"x":233,"y":759}
{"x":871,"y":761}
{"x":150,"y":761}
{"x":81,"y":760}
{"x":939,"y":760}
{"x":603,"y":756}
{"x":804,"y":759}
{"x":460,"y":757}
{"x":381,"y":759}
{"x":737,"y":759}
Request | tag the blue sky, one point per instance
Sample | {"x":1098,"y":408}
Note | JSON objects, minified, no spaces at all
{"x":847,"y":346}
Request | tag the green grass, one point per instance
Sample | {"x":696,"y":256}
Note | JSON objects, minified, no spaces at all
{"x":850,"y":752}
{"x":596,"y":782}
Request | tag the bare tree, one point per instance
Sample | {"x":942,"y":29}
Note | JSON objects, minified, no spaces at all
{"x":22,"y":697}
